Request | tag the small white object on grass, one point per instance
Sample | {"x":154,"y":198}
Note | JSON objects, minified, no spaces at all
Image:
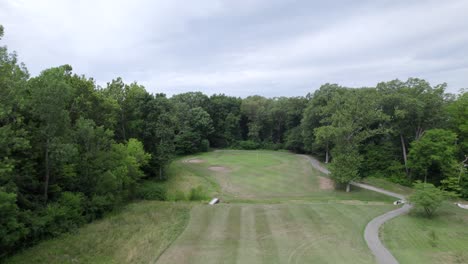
{"x":214,"y":201}
{"x":464,"y":206}
{"x":398,"y":202}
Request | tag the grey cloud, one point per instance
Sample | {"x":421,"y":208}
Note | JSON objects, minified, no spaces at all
{"x":271,"y":48}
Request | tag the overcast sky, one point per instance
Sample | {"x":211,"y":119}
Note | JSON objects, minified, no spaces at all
{"x":241,"y":48}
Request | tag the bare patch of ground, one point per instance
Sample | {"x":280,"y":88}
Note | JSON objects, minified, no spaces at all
{"x":326,"y":183}
{"x":219,"y":169}
{"x":194,"y":160}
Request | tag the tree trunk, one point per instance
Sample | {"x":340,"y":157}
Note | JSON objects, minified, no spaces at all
{"x":348,"y":187}
{"x":419,"y":133}
{"x":326,"y":154}
{"x":160,"y":165}
{"x":47,"y":172}
{"x":403,"y":148}
{"x":122,"y":118}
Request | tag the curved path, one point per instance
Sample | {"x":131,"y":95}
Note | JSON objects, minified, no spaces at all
{"x":371,"y":233}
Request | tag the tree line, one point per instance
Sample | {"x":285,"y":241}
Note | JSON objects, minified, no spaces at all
{"x":71,"y":150}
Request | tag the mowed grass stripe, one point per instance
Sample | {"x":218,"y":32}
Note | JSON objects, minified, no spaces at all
{"x":249,"y":248}
{"x":268,"y":247}
{"x":289,"y":233}
{"x":312,"y":225}
{"x":210,"y":243}
{"x":230,"y":244}
{"x":183,"y":250}
{"x":347,"y":235}
{"x":360,"y":215}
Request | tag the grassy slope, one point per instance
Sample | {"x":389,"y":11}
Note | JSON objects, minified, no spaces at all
{"x":258,"y":176}
{"x":387,"y":185}
{"x":138,"y":234}
{"x":442,"y":239}
{"x":275,"y":212}
{"x":275,"y":233}
{"x":413,"y":238}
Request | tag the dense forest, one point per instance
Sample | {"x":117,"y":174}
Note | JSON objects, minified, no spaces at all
{"x":71,"y":150}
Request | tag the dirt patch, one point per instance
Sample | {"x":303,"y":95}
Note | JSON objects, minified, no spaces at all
{"x":326,"y":183}
{"x":219,"y":169}
{"x":194,"y":160}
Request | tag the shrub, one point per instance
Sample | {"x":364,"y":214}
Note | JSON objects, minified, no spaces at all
{"x":64,"y":215}
{"x":248,"y":145}
{"x":272,"y":146}
{"x":204,"y":145}
{"x":151,"y":190}
{"x":179,"y":196}
{"x":98,"y":205}
{"x":11,"y":229}
{"x":427,"y":197}
{"x":197,"y":194}
{"x":400,"y":179}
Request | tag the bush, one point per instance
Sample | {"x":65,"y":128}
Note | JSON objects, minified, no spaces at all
{"x":151,"y":190}
{"x":186,"y":143}
{"x":400,"y":179}
{"x":64,"y":215}
{"x":197,"y":194}
{"x":178,"y":196}
{"x":11,"y":229}
{"x":427,"y":197}
{"x":204,"y":145}
{"x":248,"y":145}
{"x":272,"y":146}
{"x":98,"y":205}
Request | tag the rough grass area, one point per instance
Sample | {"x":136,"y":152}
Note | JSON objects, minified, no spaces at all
{"x":387,"y":185}
{"x":275,"y":233}
{"x":442,"y":239}
{"x":137,"y":234}
{"x":184,"y":175}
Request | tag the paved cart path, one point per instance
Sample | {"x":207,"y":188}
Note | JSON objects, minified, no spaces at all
{"x":371,"y":233}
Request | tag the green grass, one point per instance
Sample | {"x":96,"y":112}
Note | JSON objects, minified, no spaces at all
{"x":387,"y":185}
{"x":414,"y":238}
{"x":182,"y":177}
{"x":442,"y":239}
{"x":275,"y":233}
{"x":273,"y":210}
{"x":257,"y":177}
{"x":138,"y":234}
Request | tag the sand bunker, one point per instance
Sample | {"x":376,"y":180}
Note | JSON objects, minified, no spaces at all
{"x":219,"y":168}
{"x":326,"y":183}
{"x":194,"y":160}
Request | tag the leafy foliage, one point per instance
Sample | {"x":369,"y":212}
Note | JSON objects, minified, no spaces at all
{"x":433,"y":155}
{"x":71,"y":151}
{"x":151,"y":190}
{"x":427,"y":197}
{"x":197,"y":194}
